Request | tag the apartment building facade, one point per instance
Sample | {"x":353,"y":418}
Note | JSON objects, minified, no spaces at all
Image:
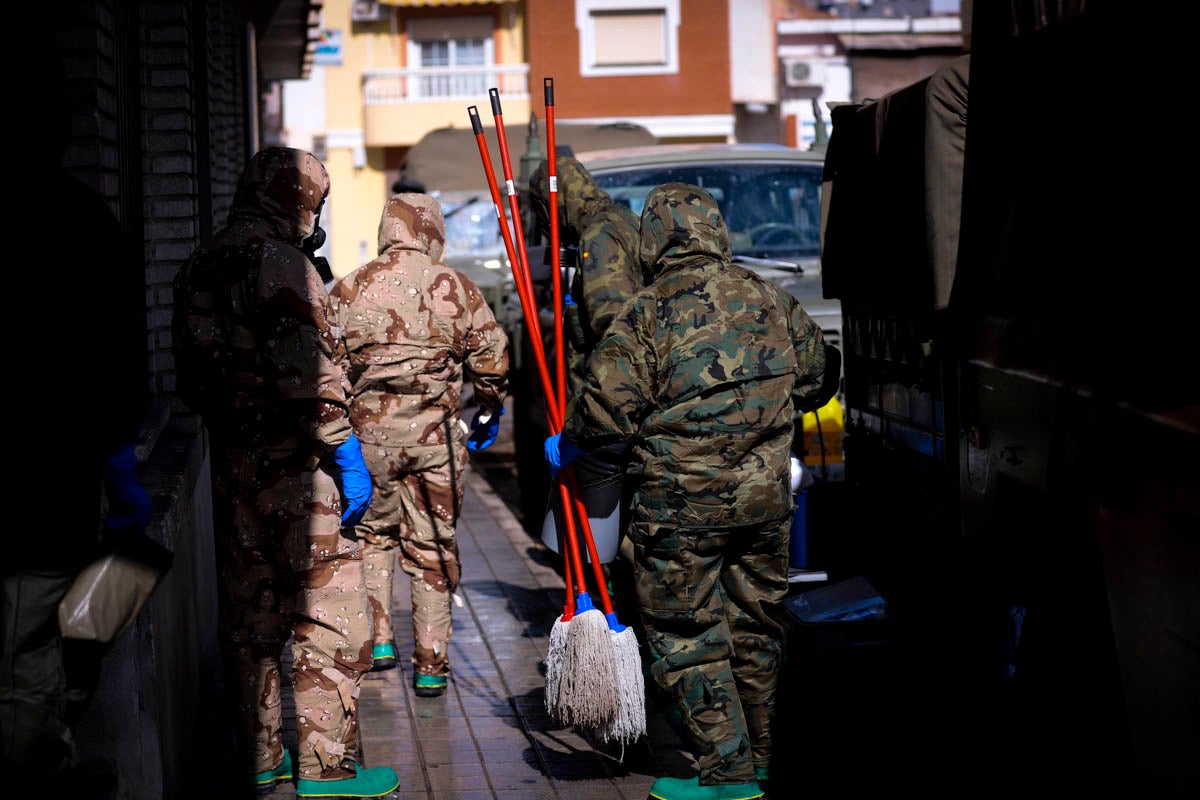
{"x":396,"y":70}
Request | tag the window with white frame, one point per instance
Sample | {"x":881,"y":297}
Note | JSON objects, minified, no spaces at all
{"x":628,"y":37}
{"x":452,"y":55}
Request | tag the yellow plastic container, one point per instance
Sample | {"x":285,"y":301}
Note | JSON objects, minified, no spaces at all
{"x":823,"y":434}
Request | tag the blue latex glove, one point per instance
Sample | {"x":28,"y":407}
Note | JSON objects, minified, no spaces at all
{"x":355,"y":480}
{"x":128,"y":502}
{"x":483,"y":433}
{"x":560,"y":452}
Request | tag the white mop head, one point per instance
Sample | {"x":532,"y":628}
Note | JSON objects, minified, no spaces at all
{"x":555,"y":652}
{"x":587,"y":693}
{"x":629,"y":723}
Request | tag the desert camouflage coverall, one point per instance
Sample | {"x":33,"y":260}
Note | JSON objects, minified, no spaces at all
{"x":704,"y":373}
{"x":259,"y":356}
{"x":414,"y":328}
{"x":609,"y":272}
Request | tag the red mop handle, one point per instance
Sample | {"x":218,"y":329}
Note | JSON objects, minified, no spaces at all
{"x":555,"y":256}
{"x":557,"y":416}
{"x":560,"y":360}
{"x":590,"y":541}
{"x":560,"y":366}
{"x":523,"y":280}
{"x":520,"y":273}
{"x":511,"y":187}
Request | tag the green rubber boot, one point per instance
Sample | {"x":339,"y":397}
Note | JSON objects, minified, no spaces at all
{"x":763,"y":776}
{"x":264,"y":782}
{"x":690,"y":789}
{"x":383,"y":656}
{"x":429,"y":685}
{"x":367,"y":782}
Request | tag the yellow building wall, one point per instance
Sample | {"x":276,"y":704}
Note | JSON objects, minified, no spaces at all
{"x":357,"y":192}
{"x":358,"y":133}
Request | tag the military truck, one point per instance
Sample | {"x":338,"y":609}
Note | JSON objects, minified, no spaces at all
{"x":1023,"y":433}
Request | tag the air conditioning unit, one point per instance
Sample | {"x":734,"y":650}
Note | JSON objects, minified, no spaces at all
{"x":366,"y":11}
{"x":804,"y":72}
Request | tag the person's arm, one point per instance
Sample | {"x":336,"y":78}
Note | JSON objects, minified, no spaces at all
{"x":485,"y":357}
{"x":485,"y":363}
{"x":813,"y":386}
{"x":339,"y":304}
{"x":619,"y":384}
{"x":298,"y":334}
{"x":609,"y":276}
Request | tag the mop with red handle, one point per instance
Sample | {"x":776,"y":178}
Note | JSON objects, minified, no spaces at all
{"x":629,"y":721}
{"x":593,"y":656}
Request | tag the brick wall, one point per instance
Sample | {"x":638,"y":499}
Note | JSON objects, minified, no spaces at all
{"x":701,"y":86}
{"x":196,"y":144}
{"x":157,"y":91}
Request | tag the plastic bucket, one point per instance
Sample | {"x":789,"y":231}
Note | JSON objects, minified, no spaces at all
{"x":601,"y":478}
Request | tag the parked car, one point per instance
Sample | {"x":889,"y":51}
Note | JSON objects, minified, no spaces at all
{"x":770,"y":196}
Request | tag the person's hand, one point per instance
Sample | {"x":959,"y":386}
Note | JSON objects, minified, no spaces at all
{"x":484,"y":428}
{"x":560,"y":452}
{"x":128,"y":502}
{"x":355,"y":481}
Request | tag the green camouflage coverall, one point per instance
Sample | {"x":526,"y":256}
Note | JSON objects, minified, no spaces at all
{"x":609,"y":272}
{"x":704,"y":373}
{"x":259,"y":356}
{"x":413,"y":328}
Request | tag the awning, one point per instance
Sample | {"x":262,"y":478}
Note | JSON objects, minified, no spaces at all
{"x":286,"y":37}
{"x":436,"y":3}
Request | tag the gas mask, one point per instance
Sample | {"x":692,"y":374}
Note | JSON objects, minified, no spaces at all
{"x":568,"y":262}
{"x":312,"y":244}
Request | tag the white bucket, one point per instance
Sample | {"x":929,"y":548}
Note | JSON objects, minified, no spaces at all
{"x":601,"y":485}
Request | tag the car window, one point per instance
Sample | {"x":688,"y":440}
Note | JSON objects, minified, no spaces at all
{"x":771,"y":210}
{"x":471,"y":228}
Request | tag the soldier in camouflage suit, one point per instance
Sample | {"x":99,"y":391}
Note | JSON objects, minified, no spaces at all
{"x":414,"y":329}
{"x":609,"y":273}
{"x":705,"y":373}
{"x":259,"y":356}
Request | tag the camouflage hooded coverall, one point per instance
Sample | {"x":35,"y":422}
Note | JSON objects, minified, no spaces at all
{"x":609,"y":271}
{"x":704,"y":372}
{"x":259,"y":356}
{"x":413,"y":328}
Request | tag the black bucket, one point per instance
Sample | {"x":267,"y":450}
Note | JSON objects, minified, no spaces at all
{"x":601,"y":480}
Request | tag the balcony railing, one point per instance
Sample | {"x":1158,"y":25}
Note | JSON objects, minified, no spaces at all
{"x":434,"y":84}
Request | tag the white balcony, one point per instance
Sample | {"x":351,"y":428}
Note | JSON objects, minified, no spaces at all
{"x":434,"y":84}
{"x":400,"y":105}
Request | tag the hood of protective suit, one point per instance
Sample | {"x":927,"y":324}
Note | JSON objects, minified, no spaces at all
{"x":579,"y":198}
{"x":413,"y":221}
{"x":681,"y":224}
{"x":285,"y":187}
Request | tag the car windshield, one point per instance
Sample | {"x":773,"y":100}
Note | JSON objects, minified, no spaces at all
{"x":471,"y":228}
{"x":771,"y":210}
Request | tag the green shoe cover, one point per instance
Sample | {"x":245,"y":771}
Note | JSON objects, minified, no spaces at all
{"x":690,"y":789}
{"x":281,"y":773}
{"x":383,"y":656}
{"x":368,"y":782}
{"x":429,"y":685}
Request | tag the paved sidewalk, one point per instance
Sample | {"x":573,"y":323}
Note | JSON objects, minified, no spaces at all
{"x":489,"y":737}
